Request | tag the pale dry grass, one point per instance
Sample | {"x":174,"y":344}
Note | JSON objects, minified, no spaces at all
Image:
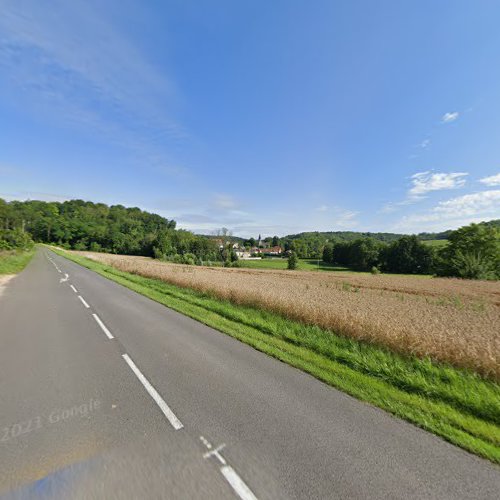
{"x":450,"y":320}
{"x":4,"y":279}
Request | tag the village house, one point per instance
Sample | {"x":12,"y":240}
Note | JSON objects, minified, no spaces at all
{"x":275,"y":251}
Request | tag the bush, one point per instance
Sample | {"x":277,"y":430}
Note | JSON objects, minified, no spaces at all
{"x":95,"y":247}
{"x":473,"y":266}
{"x":158,"y":254}
{"x":375,"y":270}
{"x":473,"y":252}
{"x":293,"y":262}
{"x":80,"y":245}
{"x":15,"y":239}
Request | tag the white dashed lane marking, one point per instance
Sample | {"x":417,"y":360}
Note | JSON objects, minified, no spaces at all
{"x":174,"y":421}
{"x":230,"y":475}
{"x":103,"y":326}
{"x":83,"y":301}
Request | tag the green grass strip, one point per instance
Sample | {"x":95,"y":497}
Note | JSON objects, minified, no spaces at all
{"x":13,"y":262}
{"x":457,"y":405}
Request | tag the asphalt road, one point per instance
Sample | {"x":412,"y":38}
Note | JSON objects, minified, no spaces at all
{"x":107,"y":394}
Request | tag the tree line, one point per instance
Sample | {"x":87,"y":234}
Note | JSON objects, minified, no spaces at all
{"x":472,"y":252}
{"x":84,"y":225}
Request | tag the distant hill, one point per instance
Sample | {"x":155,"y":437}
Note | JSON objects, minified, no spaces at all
{"x":344,"y":235}
{"x":353,"y":235}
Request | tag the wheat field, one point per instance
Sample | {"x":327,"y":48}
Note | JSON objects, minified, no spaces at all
{"x":449,"y":320}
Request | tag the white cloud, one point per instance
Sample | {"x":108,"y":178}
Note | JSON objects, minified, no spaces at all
{"x":225,"y":202}
{"x":77,"y":63}
{"x":425,"y":143}
{"x":455,"y":212}
{"x":492,"y":180}
{"x":425,"y":182}
{"x":449,"y":117}
{"x":345,"y":219}
{"x":322,"y":208}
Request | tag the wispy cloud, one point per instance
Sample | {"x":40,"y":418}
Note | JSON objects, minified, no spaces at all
{"x":345,"y":219}
{"x":492,"y":180}
{"x":425,"y":143}
{"x":450,"y":117}
{"x":455,"y":212}
{"x":73,"y":63}
{"x":224,"y":202}
{"x":322,"y":208}
{"x":425,"y":182}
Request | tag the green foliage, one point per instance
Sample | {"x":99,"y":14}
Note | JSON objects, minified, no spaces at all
{"x":82,"y":225}
{"x":14,"y":261}
{"x":408,"y":255}
{"x":473,"y":266}
{"x":375,"y":270}
{"x":15,"y":239}
{"x":328,"y":253}
{"x":364,"y":254}
{"x":293,"y":261}
{"x":473,"y":252}
{"x":455,"y":404}
{"x":361,"y":254}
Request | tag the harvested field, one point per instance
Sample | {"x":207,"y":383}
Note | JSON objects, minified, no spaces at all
{"x":450,"y":320}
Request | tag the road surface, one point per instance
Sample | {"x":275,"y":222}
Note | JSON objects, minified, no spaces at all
{"x":107,"y":394}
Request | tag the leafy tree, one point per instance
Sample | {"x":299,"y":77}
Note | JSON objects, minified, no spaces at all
{"x":472,"y":252}
{"x":275,"y":241}
{"x":341,"y":253}
{"x":364,"y":254}
{"x":85,"y":225}
{"x":328,"y":253}
{"x":15,"y":239}
{"x":408,"y":255}
{"x":293,"y":261}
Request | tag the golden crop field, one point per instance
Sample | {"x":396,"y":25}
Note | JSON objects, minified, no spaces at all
{"x":450,"y":320}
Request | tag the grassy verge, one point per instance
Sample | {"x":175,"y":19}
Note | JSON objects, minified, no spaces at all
{"x":457,"y":405}
{"x":12,"y":262}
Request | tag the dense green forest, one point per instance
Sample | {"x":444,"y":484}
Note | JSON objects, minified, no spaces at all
{"x":83,"y":225}
{"x":471,"y":252}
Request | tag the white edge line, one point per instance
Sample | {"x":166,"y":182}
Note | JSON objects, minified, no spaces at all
{"x":103,"y":327}
{"x":83,"y":301}
{"x":73,"y":288}
{"x":238,"y":485}
{"x":174,"y":421}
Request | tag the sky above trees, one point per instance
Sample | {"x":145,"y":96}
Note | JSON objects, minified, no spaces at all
{"x":263,"y":117}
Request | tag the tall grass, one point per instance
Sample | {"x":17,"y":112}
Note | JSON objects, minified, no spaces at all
{"x":449,"y":320}
{"x":458,"y":405}
{"x":13,"y":261}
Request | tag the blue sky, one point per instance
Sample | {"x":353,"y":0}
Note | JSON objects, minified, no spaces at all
{"x":263,"y":117}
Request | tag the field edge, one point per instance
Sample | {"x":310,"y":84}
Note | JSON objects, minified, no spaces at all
{"x":476,"y":435}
